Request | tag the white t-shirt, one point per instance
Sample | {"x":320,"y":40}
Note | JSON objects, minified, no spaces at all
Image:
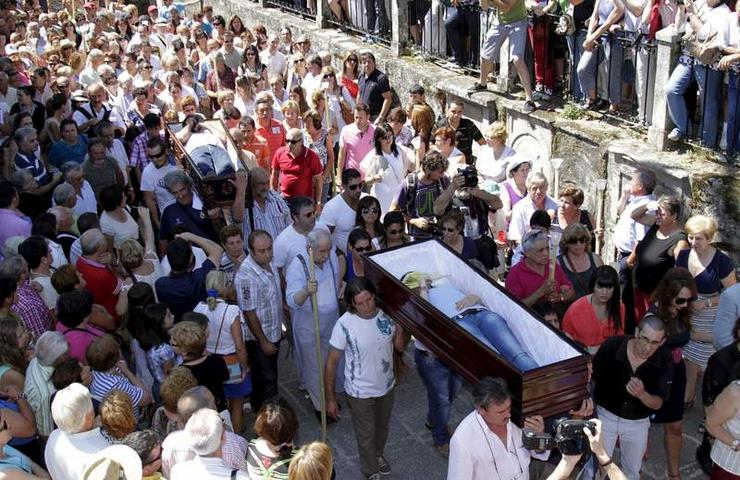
{"x":490,"y":168}
{"x":202,"y":139}
{"x":152,"y":180}
{"x":338,"y":214}
{"x":368,"y":352}
{"x":67,"y":456}
{"x":229,"y":313}
{"x":289,"y":244}
{"x":119,"y":231}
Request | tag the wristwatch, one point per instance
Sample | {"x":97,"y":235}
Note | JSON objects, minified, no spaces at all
{"x":735,"y":444}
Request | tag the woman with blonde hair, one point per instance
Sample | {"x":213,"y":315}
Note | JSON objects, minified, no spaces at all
{"x":312,"y":462}
{"x":577,"y":260}
{"x":713,"y":271}
{"x":292,"y":115}
{"x":226,"y":339}
{"x":141,"y":263}
{"x":340,"y":98}
{"x":318,"y":102}
{"x":117,"y":417}
{"x":492,"y":156}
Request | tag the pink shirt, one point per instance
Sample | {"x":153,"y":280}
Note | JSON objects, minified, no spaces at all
{"x":356,"y":145}
{"x":522,"y":281}
{"x":79,"y":339}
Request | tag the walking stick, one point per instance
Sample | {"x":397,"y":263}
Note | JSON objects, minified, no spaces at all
{"x":319,"y":358}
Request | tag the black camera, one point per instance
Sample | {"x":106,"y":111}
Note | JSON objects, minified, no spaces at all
{"x":569,"y":437}
{"x":470,"y":174}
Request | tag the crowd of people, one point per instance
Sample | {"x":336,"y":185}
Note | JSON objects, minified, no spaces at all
{"x":118,"y":276}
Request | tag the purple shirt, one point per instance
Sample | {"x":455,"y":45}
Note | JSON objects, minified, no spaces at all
{"x":14,"y":223}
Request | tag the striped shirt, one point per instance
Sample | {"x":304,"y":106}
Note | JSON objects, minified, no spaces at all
{"x":32,"y":309}
{"x":259,"y":291}
{"x":273,"y":219}
{"x":38,"y":389}
{"x":103,"y":383}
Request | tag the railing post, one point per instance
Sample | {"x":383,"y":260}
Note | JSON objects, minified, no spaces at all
{"x":262,"y":3}
{"x":399,"y":26}
{"x":667,"y":56}
{"x":323,"y":14}
{"x":503,"y":80}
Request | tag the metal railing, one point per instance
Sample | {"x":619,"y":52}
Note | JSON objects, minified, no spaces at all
{"x":369,"y":19}
{"x":302,"y":8}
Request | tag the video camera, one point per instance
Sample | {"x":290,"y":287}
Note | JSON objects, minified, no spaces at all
{"x":470,"y":174}
{"x":569,"y":437}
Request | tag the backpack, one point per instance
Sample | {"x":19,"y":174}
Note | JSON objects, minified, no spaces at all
{"x":412,"y":180}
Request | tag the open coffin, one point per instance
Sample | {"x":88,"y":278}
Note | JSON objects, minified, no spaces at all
{"x":557,"y":385}
{"x":215,"y":191}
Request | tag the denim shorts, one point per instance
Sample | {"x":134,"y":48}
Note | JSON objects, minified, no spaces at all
{"x":516,"y":32}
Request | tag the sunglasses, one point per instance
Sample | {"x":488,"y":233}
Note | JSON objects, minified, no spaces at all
{"x":365,"y":211}
{"x":147,"y":67}
{"x":684,"y":300}
{"x":573,"y":241}
{"x":292,"y":142}
{"x":356,"y":186}
{"x":363,"y":249}
{"x":156,"y":155}
{"x":449,"y":229}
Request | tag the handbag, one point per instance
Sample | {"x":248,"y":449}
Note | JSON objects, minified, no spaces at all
{"x":232,"y":361}
{"x":348,"y":115}
{"x":705,"y":50}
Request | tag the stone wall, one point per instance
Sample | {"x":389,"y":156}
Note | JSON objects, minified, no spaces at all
{"x":590,"y":149}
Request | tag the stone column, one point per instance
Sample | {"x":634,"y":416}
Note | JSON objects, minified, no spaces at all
{"x":399,"y":27}
{"x":323,"y":14}
{"x":667,"y":56}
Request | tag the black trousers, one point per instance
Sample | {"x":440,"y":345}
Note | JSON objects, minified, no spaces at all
{"x":628,"y":299}
{"x":264,"y":370}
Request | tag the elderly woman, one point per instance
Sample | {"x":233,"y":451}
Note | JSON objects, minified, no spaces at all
{"x":576,"y":258}
{"x":491,"y":162}
{"x":50,"y":349}
{"x":117,"y":417}
{"x":713,"y":271}
{"x":276,"y":427}
{"x":530,"y":280}
{"x":386,"y":166}
{"x":300,"y":292}
{"x":656,"y":253}
{"x":291,"y":115}
{"x":570,"y":200}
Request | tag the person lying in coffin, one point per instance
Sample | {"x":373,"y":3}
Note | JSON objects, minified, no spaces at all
{"x":470,"y":313}
{"x":205,"y":145}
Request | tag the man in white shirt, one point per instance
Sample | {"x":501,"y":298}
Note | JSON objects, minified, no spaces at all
{"x":627,"y":232}
{"x":87,"y":115}
{"x":76,"y":442}
{"x":536,"y":199}
{"x":312,"y":80}
{"x":340,"y":213}
{"x":273,"y":58}
{"x":115,"y":149}
{"x":86,"y":200}
{"x":292,"y":240}
{"x":155,"y":193}
{"x":487,"y":445}
{"x":232,"y":55}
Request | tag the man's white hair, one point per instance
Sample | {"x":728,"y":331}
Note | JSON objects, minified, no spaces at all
{"x":71,"y":407}
{"x":49,"y":347}
{"x":536,"y":177}
{"x":316,"y":236}
{"x":204,"y":429}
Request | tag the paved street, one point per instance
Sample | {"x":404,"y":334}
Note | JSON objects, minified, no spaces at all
{"x":410,"y":450}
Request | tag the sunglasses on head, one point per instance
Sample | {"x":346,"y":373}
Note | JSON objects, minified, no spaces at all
{"x":573,"y":241}
{"x":684,"y":300}
{"x":355,"y":186}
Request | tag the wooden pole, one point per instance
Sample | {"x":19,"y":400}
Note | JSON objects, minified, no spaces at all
{"x":600,"y":187}
{"x":319,"y":357}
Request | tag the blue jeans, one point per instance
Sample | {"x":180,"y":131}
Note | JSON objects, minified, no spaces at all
{"x":457,"y":28}
{"x":442,"y":386}
{"x":575,"y":48}
{"x":733,"y":119}
{"x":710,"y":83}
{"x":612,"y":52}
{"x":212,"y":159}
{"x":491,"y":329}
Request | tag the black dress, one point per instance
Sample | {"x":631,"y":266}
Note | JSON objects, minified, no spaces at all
{"x":654,"y":259}
{"x":212,"y":373}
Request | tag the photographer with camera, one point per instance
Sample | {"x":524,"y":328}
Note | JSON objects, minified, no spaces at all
{"x":487,"y":445}
{"x":595,"y":437}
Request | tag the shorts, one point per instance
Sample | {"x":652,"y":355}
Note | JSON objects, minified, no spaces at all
{"x":516,"y":32}
{"x":238,"y":390}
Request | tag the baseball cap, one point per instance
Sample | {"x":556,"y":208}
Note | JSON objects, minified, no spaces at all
{"x":152,"y":8}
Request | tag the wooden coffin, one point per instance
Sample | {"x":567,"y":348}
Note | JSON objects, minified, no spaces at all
{"x":218,"y":191}
{"x":553,"y":388}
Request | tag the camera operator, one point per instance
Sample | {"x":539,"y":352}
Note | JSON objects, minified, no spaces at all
{"x":631,"y":378}
{"x":596,"y":443}
{"x":475,"y":204}
{"x":487,"y":445}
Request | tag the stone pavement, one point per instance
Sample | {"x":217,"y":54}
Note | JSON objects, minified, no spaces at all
{"x":409,"y":449}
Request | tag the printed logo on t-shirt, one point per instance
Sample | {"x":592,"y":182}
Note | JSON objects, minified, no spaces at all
{"x":385,"y":324}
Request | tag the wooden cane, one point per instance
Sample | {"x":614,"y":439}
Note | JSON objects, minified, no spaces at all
{"x":319,"y":357}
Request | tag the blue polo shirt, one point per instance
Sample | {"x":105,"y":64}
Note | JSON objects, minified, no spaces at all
{"x":62,"y":152}
{"x":183,"y":293}
{"x":34,"y":165}
{"x":193,"y":220}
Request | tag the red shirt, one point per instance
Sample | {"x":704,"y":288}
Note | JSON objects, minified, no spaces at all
{"x":102,"y":283}
{"x":296,"y":173}
{"x":274,"y":135}
{"x":581,"y":324}
{"x":261,"y":150}
{"x":522,"y":281}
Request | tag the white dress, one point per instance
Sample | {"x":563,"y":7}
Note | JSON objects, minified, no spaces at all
{"x":304,"y":336}
{"x":393,"y":169}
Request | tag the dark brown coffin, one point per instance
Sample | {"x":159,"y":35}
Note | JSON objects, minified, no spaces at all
{"x":555,"y":387}
{"x":214,"y":191}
